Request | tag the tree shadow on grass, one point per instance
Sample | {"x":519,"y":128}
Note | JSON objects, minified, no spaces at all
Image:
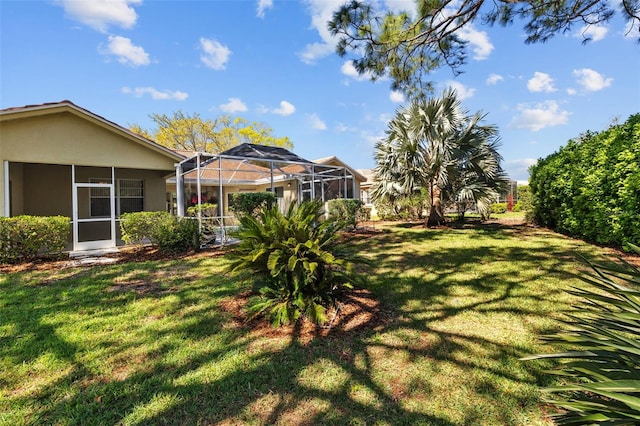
{"x":199,"y":366}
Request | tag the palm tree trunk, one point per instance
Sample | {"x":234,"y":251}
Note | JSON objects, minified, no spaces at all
{"x":436,"y":215}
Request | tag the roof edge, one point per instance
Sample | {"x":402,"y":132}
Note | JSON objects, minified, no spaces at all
{"x":67,"y":105}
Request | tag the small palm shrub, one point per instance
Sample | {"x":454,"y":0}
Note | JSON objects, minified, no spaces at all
{"x":602,"y":373}
{"x":294,"y":262}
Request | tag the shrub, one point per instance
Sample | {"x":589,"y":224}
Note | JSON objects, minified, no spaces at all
{"x":251,"y":203}
{"x":346,"y":211}
{"x":524,"y":198}
{"x":177,"y":235}
{"x":168,"y":232}
{"x":140,"y":227}
{"x":602,"y":370}
{"x":498,"y":208}
{"x":294,"y":262}
{"x":206,"y":210}
{"x":590,"y":188}
{"x":26,"y":237}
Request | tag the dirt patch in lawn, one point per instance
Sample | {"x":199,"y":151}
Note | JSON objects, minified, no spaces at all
{"x":358,"y":311}
{"x":123,"y":255}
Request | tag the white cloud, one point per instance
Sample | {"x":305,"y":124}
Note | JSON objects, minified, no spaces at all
{"x":285,"y":109}
{"x":541,"y":82}
{"x":571,"y":91}
{"x":632,"y":29}
{"x":321,"y":12}
{"x":591,"y":80}
{"x":397,"y":6}
{"x":546,"y":114}
{"x":478,"y":40}
{"x":156,"y":95}
{"x":316,"y":122}
{"x":315,"y":51}
{"x":463,"y":91}
{"x":593,"y":32}
{"x":234,"y":105}
{"x":396,"y":97}
{"x":370,"y":138}
{"x":100,"y":14}
{"x":519,"y":169}
{"x":494,"y":79}
{"x":215,"y":55}
{"x":343,"y":128}
{"x":262,"y":6}
{"x":126,"y":52}
{"x":350,"y":71}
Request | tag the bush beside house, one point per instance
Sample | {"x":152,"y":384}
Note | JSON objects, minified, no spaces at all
{"x":169,"y":233}
{"x":346,"y":211}
{"x":27,"y":237}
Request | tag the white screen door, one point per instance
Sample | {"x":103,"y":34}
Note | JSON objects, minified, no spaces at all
{"x":94,"y":216}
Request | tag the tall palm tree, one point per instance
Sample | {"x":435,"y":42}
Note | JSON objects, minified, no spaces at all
{"x":435,"y":144}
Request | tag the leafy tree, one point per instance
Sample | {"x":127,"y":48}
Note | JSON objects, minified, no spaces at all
{"x":408,"y":45}
{"x":435,"y":145}
{"x":193,"y":133}
{"x":524,"y":197}
{"x":293,"y":260}
{"x":590,"y":188}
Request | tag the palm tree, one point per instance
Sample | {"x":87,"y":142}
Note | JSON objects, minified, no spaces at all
{"x":435,"y":144}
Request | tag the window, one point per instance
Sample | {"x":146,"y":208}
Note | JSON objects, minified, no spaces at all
{"x":99,"y":199}
{"x":129,"y":197}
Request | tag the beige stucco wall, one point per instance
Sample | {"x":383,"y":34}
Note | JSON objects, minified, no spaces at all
{"x":65,"y":138}
{"x":45,"y":189}
{"x":45,"y":142}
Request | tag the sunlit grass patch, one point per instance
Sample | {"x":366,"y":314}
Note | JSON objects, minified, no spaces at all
{"x":158,"y":342}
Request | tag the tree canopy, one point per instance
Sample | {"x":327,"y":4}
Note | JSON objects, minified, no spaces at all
{"x":193,"y":133}
{"x":434,"y":145}
{"x":406,"y":46}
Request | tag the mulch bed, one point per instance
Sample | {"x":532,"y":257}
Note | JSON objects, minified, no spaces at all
{"x":358,"y":312}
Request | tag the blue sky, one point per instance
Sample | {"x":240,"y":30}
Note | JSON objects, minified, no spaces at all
{"x":274,"y":62}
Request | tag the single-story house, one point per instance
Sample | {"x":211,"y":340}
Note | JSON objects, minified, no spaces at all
{"x":61,"y":159}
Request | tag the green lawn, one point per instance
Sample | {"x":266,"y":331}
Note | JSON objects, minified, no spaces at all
{"x":150,"y":343}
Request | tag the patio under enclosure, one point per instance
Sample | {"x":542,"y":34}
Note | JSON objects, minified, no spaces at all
{"x":214,"y":178}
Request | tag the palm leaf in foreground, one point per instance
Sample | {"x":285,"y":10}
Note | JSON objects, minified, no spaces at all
{"x":603,"y":375}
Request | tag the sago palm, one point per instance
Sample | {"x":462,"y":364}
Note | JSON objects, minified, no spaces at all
{"x":294,"y":260}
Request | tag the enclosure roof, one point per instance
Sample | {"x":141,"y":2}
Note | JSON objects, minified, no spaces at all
{"x":262,"y":152}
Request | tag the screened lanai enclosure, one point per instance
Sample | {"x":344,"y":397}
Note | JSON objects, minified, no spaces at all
{"x":208,"y":180}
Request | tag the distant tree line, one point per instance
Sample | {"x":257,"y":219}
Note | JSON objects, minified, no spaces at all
{"x":590,"y":188}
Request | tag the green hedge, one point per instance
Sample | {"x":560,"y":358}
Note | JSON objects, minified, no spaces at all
{"x":27,"y":237}
{"x":168,"y":232}
{"x":590,"y":188}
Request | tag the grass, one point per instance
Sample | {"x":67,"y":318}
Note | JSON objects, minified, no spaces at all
{"x":149,"y":342}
